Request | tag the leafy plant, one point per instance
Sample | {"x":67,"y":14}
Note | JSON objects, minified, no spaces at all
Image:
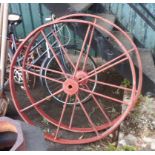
{"x":113,"y":147}
{"x":126,"y":83}
{"x":127,"y":148}
{"x":140,"y":99}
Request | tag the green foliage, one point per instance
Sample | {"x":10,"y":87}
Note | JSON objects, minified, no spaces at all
{"x":139,"y":100}
{"x":126,"y":83}
{"x":112,"y":147}
{"x":127,"y":148}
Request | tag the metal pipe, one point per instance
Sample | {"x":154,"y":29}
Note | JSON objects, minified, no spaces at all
{"x":3,"y":46}
{"x":1,"y":19}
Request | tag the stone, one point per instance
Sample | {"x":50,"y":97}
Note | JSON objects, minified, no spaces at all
{"x":122,"y":142}
{"x":131,"y":139}
{"x":145,"y":147}
{"x":121,"y":135}
{"x":153,"y":145}
{"x":153,"y":123}
{"x":147,"y":139}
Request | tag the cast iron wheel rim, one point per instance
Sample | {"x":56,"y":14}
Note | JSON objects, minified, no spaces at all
{"x":135,"y":91}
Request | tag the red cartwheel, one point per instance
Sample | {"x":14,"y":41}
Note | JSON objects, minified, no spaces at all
{"x":68,"y":100}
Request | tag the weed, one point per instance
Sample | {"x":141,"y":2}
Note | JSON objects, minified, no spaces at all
{"x":126,"y":83}
{"x":113,"y":147}
{"x":127,"y":148}
{"x":45,"y":121}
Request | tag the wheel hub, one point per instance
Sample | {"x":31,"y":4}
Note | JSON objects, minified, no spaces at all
{"x":70,"y":87}
{"x":81,"y":75}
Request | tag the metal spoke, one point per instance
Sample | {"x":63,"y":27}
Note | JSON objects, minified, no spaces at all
{"x":39,"y":75}
{"x":110,"y":85}
{"x":82,"y":50}
{"x":61,"y":117}
{"x":104,"y":69}
{"x":89,"y":44}
{"x":73,"y":112}
{"x":65,"y":52}
{"x":87,"y":115}
{"x":54,"y":54}
{"x":55,"y":84}
{"x":47,"y":69}
{"x":107,"y":65}
{"x":100,"y":107}
{"x":41,"y":101}
{"x":105,"y":96}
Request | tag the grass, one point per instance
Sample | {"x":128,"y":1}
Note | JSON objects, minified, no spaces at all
{"x":113,"y":147}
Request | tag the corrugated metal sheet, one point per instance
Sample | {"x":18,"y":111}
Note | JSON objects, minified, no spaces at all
{"x":33,"y":15}
{"x":134,"y":23}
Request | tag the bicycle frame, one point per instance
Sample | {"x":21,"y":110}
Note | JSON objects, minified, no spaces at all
{"x":14,"y":42}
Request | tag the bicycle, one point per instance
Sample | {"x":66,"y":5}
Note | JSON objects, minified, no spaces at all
{"x":14,"y":42}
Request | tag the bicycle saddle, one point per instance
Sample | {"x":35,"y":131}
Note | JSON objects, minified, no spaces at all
{"x":14,"y":19}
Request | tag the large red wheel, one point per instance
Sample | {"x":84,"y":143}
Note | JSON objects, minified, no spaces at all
{"x":75,"y":105}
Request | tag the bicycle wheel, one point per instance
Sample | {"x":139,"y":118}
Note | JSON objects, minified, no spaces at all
{"x":84,"y":122}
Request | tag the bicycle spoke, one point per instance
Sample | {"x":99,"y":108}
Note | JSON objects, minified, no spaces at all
{"x":39,"y":75}
{"x":56,"y":87}
{"x":41,"y":101}
{"x":104,"y":96}
{"x":65,"y":52}
{"x":55,"y":84}
{"x":61,"y":117}
{"x":47,"y":69}
{"x":54,"y":54}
